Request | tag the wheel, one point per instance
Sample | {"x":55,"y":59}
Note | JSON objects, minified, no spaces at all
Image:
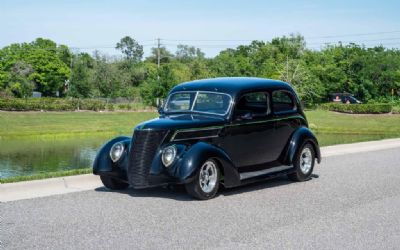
{"x":206,"y":182}
{"x":303,"y":163}
{"x":112,"y":183}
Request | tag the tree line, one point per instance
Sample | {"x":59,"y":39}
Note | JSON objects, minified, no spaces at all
{"x":44,"y":66}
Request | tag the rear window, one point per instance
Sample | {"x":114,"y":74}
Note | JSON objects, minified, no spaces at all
{"x":282,"y":101}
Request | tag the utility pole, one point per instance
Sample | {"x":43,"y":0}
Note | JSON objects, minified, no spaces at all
{"x":158,"y":52}
{"x":158,"y":67}
{"x":287,"y":68}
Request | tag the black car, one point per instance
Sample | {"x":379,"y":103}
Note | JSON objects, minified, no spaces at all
{"x":228,"y":131}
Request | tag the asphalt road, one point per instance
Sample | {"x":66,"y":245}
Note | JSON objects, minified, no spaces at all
{"x":354,"y":204}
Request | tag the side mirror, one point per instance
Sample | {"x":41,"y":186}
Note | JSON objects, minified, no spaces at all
{"x":160,"y":110}
{"x":160,"y":104}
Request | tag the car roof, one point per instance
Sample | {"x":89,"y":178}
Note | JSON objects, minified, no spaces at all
{"x":232,"y":85}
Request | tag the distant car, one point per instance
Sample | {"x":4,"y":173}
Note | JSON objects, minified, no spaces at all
{"x":343,"y":98}
{"x":228,"y":131}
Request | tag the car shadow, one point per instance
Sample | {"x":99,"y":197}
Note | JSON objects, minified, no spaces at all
{"x":175,"y":192}
{"x":178,"y":192}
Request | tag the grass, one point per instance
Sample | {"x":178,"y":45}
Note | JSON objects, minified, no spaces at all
{"x":46,"y":175}
{"x":68,"y":124}
{"x":337,"y":128}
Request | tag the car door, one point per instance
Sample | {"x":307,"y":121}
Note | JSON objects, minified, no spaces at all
{"x":284,"y":109}
{"x":247,"y":137}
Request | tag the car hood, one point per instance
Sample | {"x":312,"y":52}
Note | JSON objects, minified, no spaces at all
{"x":182,"y":121}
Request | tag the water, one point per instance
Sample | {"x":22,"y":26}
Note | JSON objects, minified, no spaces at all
{"x":34,"y":156}
{"x":20,"y":157}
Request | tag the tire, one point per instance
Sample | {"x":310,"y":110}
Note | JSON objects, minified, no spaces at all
{"x":205,"y":186}
{"x":303,"y":163}
{"x":112,"y":183}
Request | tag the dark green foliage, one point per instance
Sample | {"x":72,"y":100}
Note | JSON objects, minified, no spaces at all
{"x":132,"y":50}
{"x":358,"y":108}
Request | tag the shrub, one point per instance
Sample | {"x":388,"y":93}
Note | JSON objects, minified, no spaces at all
{"x":358,"y":108}
{"x":110,"y":107}
{"x":396,"y":110}
{"x":50,"y":104}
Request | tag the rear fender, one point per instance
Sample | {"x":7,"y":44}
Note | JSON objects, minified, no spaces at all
{"x":299,"y":137}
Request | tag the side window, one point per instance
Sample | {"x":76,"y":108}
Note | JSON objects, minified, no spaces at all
{"x":252,"y":105}
{"x":282,"y":101}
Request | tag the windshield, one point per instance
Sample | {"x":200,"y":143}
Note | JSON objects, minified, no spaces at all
{"x":202,"y":102}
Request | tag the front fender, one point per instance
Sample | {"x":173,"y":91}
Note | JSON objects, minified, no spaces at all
{"x":103,"y":163}
{"x":198,"y":154}
{"x":300,"y":136}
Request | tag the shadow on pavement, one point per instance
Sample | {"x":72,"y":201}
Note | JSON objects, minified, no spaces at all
{"x":178,"y":192}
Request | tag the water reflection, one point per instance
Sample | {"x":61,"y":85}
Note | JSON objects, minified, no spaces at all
{"x":33,"y":156}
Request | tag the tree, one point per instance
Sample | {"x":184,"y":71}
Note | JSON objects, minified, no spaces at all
{"x":165,"y":55}
{"x":80,"y":84}
{"x":20,"y":83}
{"x":48,"y":71}
{"x":186,"y":53}
{"x":132,"y":50}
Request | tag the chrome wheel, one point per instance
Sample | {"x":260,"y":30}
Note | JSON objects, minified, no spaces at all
{"x":208,"y":176}
{"x":306,"y":160}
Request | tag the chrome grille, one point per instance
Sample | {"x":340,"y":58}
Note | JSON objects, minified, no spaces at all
{"x":144,"y":147}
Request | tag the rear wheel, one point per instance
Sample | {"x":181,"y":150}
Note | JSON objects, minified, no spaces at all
{"x":112,"y":183}
{"x":206,"y":182}
{"x":303,"y":163}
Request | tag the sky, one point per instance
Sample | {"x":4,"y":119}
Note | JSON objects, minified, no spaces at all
{"x":211,"y":25}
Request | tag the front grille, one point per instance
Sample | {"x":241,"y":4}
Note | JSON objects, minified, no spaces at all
{"x":142,"y":153}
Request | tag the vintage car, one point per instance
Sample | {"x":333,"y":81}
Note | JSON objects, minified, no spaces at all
{"x":228,"y":131}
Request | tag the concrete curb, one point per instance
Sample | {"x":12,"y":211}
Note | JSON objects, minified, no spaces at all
{"x":46,"y":187}
{"x":69,"y":184}
{"x":359,"y":147}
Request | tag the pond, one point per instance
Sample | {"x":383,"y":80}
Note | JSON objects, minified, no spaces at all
{"x":20,"y":157}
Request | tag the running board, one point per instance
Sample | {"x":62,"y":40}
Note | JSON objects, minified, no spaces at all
{"x":248,"y":175}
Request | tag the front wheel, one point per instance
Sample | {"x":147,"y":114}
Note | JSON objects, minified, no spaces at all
{"x":206,"y":182}
{"x":112,"y":183}
{"x":303,"y":163}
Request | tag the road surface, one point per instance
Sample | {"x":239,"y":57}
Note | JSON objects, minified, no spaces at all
{"x":353,"y":204}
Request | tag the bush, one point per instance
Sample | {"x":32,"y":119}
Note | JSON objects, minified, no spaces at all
{"x":50,"y":104}
{"x":110,"y":107}
{"x":396,"y":110}
{"x":358,"y":108}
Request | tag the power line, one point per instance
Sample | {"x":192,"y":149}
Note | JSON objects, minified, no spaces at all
{"x":312,"y":37}
{"x":359,"y":34}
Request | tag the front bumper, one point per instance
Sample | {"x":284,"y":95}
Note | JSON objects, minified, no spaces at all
{"x":152,"y":180}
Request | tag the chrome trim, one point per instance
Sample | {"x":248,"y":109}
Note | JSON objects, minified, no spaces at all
{"x":195,"y":138}
{"x":194,"y":101}
{"x":194,"y":130}
{"x":252,"y":174}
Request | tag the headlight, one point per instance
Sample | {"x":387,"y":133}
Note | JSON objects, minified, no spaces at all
{"x":116,"y":151}
{"x":168,"y":155}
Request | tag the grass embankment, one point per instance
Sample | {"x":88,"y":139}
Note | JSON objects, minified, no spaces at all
{"x":75,"y":124}
{"x":337,"y":128}
{"x":68,"y":124}
{"x":46,"y":175}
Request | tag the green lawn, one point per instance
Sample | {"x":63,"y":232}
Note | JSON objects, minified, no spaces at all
{"x":336,"y":128}
{"x":341,"y":127}
{"x":68,"y":124}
